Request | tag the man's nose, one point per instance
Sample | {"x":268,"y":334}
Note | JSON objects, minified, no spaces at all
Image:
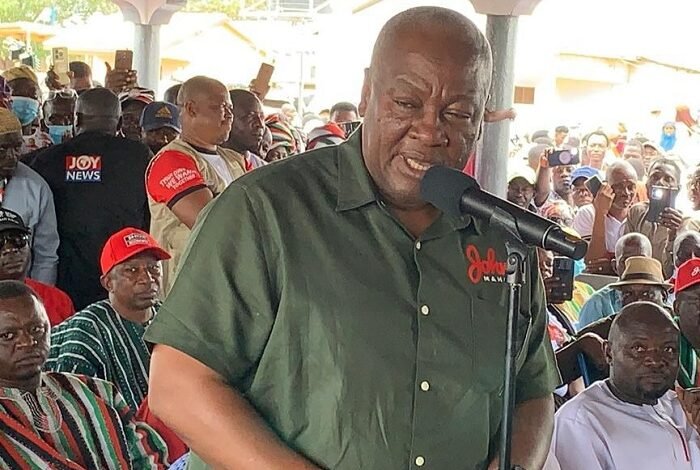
{"x":430,"y":129}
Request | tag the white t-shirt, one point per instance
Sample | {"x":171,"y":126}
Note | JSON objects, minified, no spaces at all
{"x":583,"y":224}
{"x":596,"y":431}
{"x":219,"y":165}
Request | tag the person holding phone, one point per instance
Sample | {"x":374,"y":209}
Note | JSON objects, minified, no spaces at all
{"x":554,"y":177}
{"x":663,"y":225}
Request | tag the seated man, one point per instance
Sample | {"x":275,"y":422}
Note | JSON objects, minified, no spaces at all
{"x":56,"y":420}
{"x":14,"y":258}
{"x":631,"y":420}
{"x":687,"y":309}
{"x":105,"y":340}
{"x":521,"y":187}
{"x":607,"y":300}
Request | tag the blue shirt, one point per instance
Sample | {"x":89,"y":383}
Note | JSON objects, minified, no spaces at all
{"x":30,"y":196}
{"x":602,"y":304}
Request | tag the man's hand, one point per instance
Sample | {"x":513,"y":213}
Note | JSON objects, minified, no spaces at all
{"x":120,"y":80}
{"x":690,"y":401}
{"x":672,"y":219}
{"x":603,"y":199}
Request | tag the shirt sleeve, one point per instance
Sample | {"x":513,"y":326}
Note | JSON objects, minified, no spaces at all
{"x":583,"y":221}
{"x":578,"y":447}
{"x":539,"y":376}
{"x":76,"y":349}
{"x":172,"y":176}
{"x":591,"y":311}
{"x":226,"y":260}
{"x":45,"y":239}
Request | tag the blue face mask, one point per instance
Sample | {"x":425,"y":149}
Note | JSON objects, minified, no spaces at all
{"x":26,"y":109}
{"x":60,"y":133}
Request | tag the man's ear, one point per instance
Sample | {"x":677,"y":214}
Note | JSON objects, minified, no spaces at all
{"x":189,"y":108}
{"x":608,"y":351}
{"x":106,"y":281}
{"x":366,"y":90}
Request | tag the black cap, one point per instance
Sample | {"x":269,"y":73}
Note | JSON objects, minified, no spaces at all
{"x":11,"y":221}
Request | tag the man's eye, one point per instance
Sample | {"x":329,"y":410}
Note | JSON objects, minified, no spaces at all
{"x":7,"y":336}
{"x":457,"y":114}
{"x":638,"y":349}
{"x":670,"y":349}
{"x":405,"y":104}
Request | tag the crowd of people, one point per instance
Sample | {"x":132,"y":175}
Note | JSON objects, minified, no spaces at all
{"x":316,"y":301}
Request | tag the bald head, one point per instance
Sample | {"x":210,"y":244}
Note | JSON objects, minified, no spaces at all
{"x":242,"y":99}
{"x":640,"y":316}
{"x":197,"y":88}
{"x":686,"y":246}
{"x":443,"y":30}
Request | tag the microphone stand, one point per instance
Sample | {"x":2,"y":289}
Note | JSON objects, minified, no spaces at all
{"x":515,"y":277}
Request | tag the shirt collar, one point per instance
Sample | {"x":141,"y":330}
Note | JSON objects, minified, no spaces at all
{"x":355,"y":186}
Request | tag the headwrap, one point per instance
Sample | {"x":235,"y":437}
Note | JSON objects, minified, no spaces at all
{"x":9,"y":123}
{"x":667,"y":142}
{"x":329,"y":134}
{"x":281,"y":134}
{"x":23,"y":71}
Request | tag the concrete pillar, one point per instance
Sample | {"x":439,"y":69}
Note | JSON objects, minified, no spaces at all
{"x":492,"y":159}
{"x":147,"y":54}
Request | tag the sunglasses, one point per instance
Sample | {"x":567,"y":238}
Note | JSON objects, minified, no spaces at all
{"x":14,"y":240}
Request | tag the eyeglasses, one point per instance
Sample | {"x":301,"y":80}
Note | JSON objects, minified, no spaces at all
{"x":65,"y":93}
{"x":14,"y":240}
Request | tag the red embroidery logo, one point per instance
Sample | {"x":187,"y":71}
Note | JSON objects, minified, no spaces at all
{"x":489,"y":269}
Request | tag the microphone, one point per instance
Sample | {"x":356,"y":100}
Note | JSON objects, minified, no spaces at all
{"x":457,"y":194}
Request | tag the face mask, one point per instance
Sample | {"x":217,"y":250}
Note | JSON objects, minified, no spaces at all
{"x":57,"y":133}
{"x":26,"y":109}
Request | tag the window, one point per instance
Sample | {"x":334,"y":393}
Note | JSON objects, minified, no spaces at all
{"x":524,"y":95}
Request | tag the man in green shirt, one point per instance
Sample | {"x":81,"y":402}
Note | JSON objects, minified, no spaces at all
{"x":326,"y":317}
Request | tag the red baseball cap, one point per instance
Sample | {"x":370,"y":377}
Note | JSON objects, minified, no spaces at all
{"x":688,"y":274}
{"x":126,"y":244}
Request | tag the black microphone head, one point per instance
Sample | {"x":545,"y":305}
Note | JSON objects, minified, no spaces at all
{"x":443,"y":188}
{"x":566,"y":244}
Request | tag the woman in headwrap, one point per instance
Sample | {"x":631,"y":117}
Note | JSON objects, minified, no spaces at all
{"x":283,"y":142}
{"x":668,"y":136}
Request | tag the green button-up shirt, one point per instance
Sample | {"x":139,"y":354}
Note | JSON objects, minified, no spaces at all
{"x":360,"y":346}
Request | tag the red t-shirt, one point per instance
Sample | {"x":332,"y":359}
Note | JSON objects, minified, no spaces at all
{"x":470,"y":167}
{"x":171,"y":176}
{"x":57,"y":303}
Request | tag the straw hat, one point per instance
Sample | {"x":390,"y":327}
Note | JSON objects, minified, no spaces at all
{"x":644,"y":271}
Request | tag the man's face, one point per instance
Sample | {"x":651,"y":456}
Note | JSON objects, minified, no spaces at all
{"x":560,"y":137}
{"x":14,"y":254}
{"x":561,"y":178}
{"x":24,"y":87}
{"x":156,"y":139}
{"x":212,"y":115}
{"x":520,"y":192}
{"x":662,"y":175}
{"x":24,"y":340}
{"x":59,"y":112}
{"x":278,"y":153}
{"x":687,"y":307}
{"x":595,"y":149}
{"x":344,"y":116}
{"x":135,"y":282}
{"x":624,"y":185}
{"x":10,"y":149}
{"x":582,"y":195}
{"x":422,"y":107}
{"x":632,"y":151}
{"x":546,"y":263}
{"x":644,"y":361}
{"x":642,"y":292}
{"x":131,"y":119}
{"x":688,"y":248}
{"x":649,"y":154}
{"x":248,"y":124}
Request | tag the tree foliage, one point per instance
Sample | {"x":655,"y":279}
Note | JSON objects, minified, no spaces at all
{"x":229,"y":7}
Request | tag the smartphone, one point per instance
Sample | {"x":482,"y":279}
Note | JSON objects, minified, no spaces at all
{"x":261,"y":85}
{"x":563,"y":157}
{"x":594,"y":184}
{"x":564,"y":271}
{"x":59,"y":58}
{"x":659,"y":199}
{"x":124,"y":60}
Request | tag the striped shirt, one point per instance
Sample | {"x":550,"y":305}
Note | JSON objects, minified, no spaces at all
{"x":98,"y":342}
{"x":94,"y":429}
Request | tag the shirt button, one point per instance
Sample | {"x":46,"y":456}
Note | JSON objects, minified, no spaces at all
{"x":425,"y":385}
{"x":425,"y":310}
{"x":418,"y":245}
{"x":420,"y":461}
